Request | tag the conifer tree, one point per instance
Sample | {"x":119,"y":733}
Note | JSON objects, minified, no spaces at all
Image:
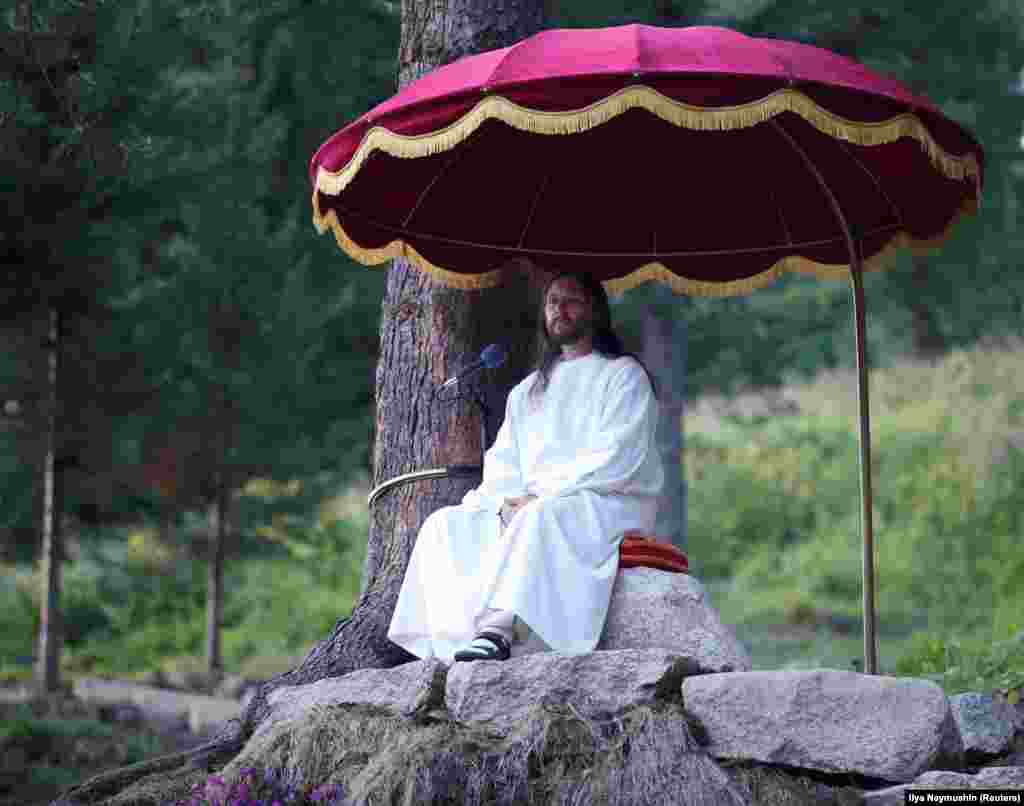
{"x":413,"y":429}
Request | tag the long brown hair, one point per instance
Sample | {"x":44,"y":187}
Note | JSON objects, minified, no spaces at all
{"x":605,"y":340}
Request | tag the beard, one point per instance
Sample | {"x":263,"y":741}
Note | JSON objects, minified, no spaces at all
{"x":569,"y":335}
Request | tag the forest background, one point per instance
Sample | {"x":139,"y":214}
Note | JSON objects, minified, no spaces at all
{"x":217,"y":358}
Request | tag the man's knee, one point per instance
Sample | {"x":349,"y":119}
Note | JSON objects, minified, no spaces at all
{"x":441,"y":520}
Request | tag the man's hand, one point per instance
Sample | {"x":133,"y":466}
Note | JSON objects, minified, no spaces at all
{"x":512,"y":506}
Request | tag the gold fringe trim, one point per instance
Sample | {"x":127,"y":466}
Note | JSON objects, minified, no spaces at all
{"x":675,"y":112}
{"x":399,"y":249}
{"x":649,"y":272}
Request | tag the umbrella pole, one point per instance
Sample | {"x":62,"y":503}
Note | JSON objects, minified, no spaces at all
{"x":866,"y":521}
{"x":870,"y":643}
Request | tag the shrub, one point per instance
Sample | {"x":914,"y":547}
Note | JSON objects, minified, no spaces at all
{"x":966,"y":664}
{"x":775,"y":505}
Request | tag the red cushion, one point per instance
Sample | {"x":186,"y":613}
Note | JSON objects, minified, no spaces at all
{"x":644,"y":550}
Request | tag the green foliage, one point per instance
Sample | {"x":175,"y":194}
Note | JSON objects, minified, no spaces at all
{"x":28,"y":729}
{"x":128,"y":614}
{"x":222,"y":295}
{"x":602,"y":13}
{"x":793,"y":481}
{"x":20,"y":614}
{"x":798,"y":327}
{"x":258,"y":310}
{"x":774,"y":509}
{"x":966,"y":664}
{"x":320,"y":582}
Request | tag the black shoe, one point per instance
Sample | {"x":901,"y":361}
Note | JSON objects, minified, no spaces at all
{"x":486,"y":646}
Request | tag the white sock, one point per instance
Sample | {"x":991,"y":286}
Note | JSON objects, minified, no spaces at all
{"x":501,"y":622}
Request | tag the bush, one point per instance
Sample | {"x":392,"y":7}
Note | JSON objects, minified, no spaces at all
{"x":18,"y":622}
{"x":966,"y":664}
{"x":764,"y":488}
{"x":775,"y":504}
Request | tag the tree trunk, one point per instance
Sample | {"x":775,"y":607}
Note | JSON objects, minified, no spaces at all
{"x":215,"y":579}
{"x":50,"y":626}
{"x":928,"y":341}
{"x":664,"y":353}
{"x":428,"y":332}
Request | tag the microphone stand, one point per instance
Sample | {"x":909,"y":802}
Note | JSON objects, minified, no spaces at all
{"x":485,"y":413}
{"x":451,"y":470}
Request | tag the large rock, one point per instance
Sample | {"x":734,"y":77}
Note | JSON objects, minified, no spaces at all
{"x":499,"y":694}
{"x":986,"y":726}
{"x":888,"y":728}
{"x":652,"y":609}
{"x":493,"y":744}
{"x":405,"y":690}
{"x":658,"y":609}
{"x":989,"y":778}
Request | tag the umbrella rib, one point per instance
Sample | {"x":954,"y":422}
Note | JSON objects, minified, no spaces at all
{"x":853,"y":246}
{"x":409,"y":236}
{"x":430,"y":185}
{"x":782,"y":217}
{"x":788,"y":138}
{"x":533,"y":209}
{"x":878,"y":185}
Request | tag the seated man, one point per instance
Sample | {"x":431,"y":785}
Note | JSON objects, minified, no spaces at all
{"x":574,"y":465}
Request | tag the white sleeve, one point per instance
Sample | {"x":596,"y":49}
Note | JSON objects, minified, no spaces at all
{"x":502,"y":473}
{"x":619,"y":457}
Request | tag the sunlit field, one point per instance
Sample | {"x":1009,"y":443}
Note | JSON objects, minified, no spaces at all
{"x":774,"y":519}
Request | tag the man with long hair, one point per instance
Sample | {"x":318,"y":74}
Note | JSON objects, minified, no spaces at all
{"x":536,"y":545}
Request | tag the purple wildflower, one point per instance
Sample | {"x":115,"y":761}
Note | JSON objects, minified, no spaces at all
{"x":329,"y":794}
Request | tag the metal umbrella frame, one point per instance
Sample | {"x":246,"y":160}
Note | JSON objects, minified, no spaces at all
{"x":853,"y":165}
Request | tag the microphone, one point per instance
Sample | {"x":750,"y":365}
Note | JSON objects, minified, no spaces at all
{"x":493,"y":356}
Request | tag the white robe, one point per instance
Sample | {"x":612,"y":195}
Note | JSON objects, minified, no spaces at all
{"x":586,"y":449}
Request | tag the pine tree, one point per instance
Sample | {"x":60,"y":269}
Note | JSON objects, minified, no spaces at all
{"x":414,"y":429}
{"x":965,"y":58}
{"x":48,"y":141}
{"x":242,"y":347}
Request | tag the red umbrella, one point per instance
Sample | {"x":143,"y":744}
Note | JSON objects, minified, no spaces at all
{"x":699,"y":157}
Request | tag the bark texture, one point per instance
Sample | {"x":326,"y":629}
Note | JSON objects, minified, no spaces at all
{"x":50,"y":622}
{"x":215,"y":582}
{"x":664,"y":354}
{"x":428,"y":333}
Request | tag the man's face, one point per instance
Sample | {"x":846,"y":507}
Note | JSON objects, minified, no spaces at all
{"x":568,"y":314}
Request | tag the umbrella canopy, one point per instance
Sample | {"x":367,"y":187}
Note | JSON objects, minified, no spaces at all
{"x":669,"y":172}
{"x":705,"y":159}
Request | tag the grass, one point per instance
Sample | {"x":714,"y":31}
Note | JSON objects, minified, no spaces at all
{"x":133,"y":605}
{"x":948,"y":514}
